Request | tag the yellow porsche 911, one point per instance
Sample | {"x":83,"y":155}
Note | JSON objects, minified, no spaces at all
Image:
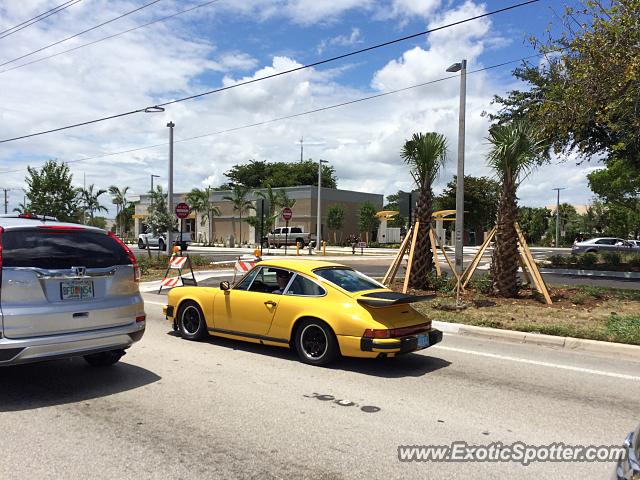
{"x":321,"y":309}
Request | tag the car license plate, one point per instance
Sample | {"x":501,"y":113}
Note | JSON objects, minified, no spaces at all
{"x":76,"y":289}
{"x":423,"y":341}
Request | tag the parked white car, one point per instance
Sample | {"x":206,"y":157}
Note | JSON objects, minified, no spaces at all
{"x":160,"y":241}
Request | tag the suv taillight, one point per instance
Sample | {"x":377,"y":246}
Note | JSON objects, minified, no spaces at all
{"x":132,"y":257}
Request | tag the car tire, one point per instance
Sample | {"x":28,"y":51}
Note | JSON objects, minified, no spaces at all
{"x":265,"y":244}
{"x":591,"y":250}
{"x":316,"y":343}
{"x":104,"y":359}
{"x":140,"y":244}
{"x":191,"y":322}
{"x":161,"y":245}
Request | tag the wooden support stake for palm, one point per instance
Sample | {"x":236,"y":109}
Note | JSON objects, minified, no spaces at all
{"x":416,"y":228}
{"x":533,"y":266}
{"x":468,"y":273}
{"x":434,"y":251}
{"x":395,"y":264}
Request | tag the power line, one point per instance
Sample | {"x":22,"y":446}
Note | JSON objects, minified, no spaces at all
{"x":109,"y":37}
{"x":274,"y":75}
{"x":294,"y":115}
{"x":80,"y":33}
{"x":37,"y":18}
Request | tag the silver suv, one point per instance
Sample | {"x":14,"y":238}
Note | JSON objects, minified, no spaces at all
{"x":66,"y":290}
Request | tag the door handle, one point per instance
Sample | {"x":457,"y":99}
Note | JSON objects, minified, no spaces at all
{"x":270,"y":303}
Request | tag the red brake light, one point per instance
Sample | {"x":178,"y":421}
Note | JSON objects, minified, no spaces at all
{"x":60,"y":227}
{"x":396,"y":332}
{"x":141,"y":318}
{"x":132,"y":257}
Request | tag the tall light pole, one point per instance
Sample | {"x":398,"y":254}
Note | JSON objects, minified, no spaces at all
{"x":558,"y":214}
{"x":462,"y":68}
{"x":319,"y":217}
{"x":170,"y":190}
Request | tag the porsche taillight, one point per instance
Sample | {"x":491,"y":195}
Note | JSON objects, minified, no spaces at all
{"x":396,"y":332}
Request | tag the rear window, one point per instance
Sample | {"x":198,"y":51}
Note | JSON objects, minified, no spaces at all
{"x":54,"y":249}
{"x":348,"y":279}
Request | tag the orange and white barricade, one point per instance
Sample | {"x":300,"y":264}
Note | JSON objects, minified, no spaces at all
{"x":244,"y":264}
{"x":177,"y":262}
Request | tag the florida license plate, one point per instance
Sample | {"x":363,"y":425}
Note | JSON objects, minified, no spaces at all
{"x":423,"y":341}
{"x":76,"y":289}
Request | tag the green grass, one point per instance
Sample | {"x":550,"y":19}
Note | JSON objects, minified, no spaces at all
{"x":624,"y":328}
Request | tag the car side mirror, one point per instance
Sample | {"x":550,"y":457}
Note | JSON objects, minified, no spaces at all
{"x":224,"y":286}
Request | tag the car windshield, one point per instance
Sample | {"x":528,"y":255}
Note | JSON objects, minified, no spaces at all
{"x":347,"y":279}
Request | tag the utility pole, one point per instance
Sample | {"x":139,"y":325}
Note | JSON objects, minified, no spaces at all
{"x":319,"y":217}
{"x":301,"y":148}
{"x":152,"y":177}
{"x":558,"y":214}
{"x":170,"y":190}
{"x":6,"y":202}
{"x":84,"y":202}
{"x":462,"y":68}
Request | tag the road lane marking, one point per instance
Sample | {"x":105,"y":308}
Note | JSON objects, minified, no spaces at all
{"x":539,"y":363}
{"x":155,"y":303}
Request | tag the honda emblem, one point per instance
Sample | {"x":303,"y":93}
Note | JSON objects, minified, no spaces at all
{"x":79,"y":271}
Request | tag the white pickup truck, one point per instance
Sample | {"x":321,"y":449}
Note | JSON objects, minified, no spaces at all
{"x":289,"y":236}
{"x":160,"y":241}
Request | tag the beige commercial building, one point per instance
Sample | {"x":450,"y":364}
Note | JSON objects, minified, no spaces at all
{"x":304,"y":214}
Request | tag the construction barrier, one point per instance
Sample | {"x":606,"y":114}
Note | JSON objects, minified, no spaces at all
{"x":177,"y":262}
{"x":244,"y":264}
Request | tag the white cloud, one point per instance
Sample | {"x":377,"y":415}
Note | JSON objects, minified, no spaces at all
{"x":341,"y":40}
{"x":361,"y":141}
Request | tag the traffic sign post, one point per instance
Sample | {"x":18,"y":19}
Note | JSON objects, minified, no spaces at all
{"x":287,"y":214}
{"x":362,"y":246}
{"x":182,"y":211}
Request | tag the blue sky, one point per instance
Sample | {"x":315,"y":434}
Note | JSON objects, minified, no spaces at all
{"x":228,"y":42}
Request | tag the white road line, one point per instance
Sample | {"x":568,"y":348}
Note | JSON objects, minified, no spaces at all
{"x":541,"y":364}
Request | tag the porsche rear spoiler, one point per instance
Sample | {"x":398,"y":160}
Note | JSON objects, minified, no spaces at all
{"x":389,"y":299}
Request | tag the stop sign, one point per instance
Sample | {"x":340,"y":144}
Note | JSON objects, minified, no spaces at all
{"x":182,"y":210}
{"x":287,"y":213}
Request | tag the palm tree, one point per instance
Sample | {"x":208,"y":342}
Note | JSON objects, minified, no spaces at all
{"x":200,"y":202}
{"x":517,"y":148}
{"x":426,"y":154}
{"x":91,"y":200}
{"x":119,"y":199}
{"x":240,"y":202}
{"x":272,"y":198}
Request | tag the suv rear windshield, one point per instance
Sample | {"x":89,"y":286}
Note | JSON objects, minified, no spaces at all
{"x":60,"y":249}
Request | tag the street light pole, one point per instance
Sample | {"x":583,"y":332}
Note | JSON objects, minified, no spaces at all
{"x":319,"y":217}
{"x":558,"y":215}
{"x":170,"y":190}
{"x":462,"y":68}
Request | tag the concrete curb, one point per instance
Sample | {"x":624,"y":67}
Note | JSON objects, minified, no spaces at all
{"x":590,"y":273}
{"x":630,"y":352}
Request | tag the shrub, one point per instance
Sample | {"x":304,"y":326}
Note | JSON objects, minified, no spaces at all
{"x":589,"y":291}
{"x":633,"y":259}
{"x":557,"y":260}
{"x":443,"y":283}
{"x":611,"y":258}
{"x":587,"y":260}
{"x":483,"y":283}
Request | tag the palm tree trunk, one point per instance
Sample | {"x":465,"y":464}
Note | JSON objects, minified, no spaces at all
{"x":422,"y":256}
{"x":240,"y":227}
{"x":504,"y":261}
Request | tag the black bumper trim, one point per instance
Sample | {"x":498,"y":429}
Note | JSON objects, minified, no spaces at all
{"x":405,"y":344}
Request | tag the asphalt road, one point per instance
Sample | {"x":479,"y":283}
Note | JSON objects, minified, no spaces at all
{"x":227,"y":409}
